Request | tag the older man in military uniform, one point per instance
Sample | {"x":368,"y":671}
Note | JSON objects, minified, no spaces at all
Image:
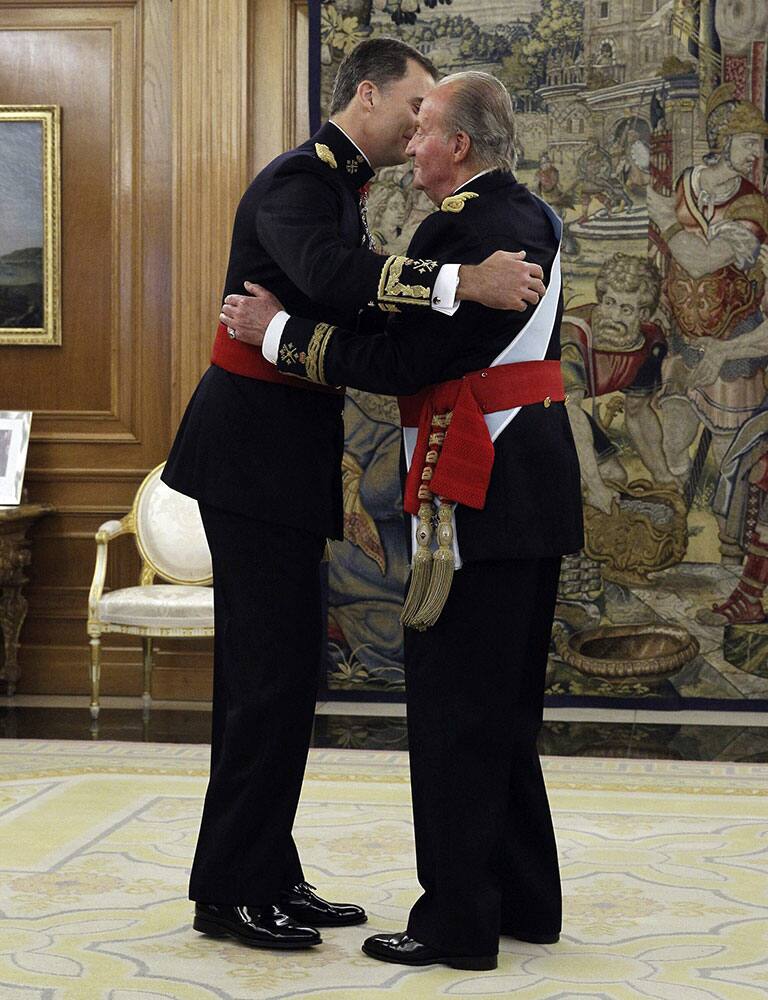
{"x":261,"y":452}
{"x":490,"y":442}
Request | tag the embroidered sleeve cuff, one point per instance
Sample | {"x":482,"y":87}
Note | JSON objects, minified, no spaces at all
{"x":401,"y":282}
{"x":302,"y":350}
{"x":444,"y":292}
{"x":273,"y":335}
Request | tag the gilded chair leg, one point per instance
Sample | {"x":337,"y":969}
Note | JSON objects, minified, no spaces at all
{"x":146,"y":698}
{"x":95,"y":675}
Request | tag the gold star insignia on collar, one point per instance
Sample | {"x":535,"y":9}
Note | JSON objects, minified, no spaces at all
{"x":456,"y":201}
{"x":326,"y":155}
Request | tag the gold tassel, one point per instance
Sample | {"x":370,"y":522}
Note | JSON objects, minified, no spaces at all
{"x":443,"y":566}
{"x":422,"y":564}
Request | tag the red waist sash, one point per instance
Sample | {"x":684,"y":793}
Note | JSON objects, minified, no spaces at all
{"x":466,"y":456}
{"x":246,"y":359}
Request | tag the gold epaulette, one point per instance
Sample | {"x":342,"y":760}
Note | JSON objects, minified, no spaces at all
{"x":326,"y":155}
{"x":455,"y":203}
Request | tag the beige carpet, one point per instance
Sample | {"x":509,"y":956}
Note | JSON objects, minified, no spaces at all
{"x":664,"y":868}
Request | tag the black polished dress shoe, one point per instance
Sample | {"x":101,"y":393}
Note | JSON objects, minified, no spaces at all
{"x":531,"y":938}
{"x":302,"y":903}
{"x":405,"y":950}
{"x":265,"y":927}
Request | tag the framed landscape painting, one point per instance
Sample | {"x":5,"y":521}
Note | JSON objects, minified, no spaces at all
{"x":29,"y":225}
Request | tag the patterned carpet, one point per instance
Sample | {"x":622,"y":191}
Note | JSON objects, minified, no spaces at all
{"x":664,"y":868}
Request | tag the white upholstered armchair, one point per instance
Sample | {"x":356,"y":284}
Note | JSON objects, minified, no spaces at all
{"x":171,"y":542}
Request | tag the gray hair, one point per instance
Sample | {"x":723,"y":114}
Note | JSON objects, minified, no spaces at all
{"x":481,"y":107}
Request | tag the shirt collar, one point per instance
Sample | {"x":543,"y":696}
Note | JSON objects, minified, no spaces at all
{"x":488,"y":170}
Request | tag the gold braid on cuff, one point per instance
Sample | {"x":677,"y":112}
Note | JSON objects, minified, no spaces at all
{"x":318,"y":345}
{"x":393,"y":291}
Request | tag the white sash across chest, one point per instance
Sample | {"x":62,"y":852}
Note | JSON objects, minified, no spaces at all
{"x":530,"y":344}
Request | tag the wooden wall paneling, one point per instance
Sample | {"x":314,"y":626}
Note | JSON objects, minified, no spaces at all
{"x":210,"y":170}
{"x":239,"y":64}
{"x":278,"y":42}
{"x":72,"y":57}
{"x":167,"y":111}
{"x":298,"y":66}
{"x":101,"y":401}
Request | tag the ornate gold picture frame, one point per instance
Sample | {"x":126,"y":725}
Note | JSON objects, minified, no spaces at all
{"x":30,"y":303}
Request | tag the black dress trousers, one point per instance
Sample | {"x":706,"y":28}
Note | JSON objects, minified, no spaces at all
{"x":485,"y":846}
{"x":266,"y":668}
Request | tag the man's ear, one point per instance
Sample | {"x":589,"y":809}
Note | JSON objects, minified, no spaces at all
{"x":462,"y":147}
{"x":367,"y":94}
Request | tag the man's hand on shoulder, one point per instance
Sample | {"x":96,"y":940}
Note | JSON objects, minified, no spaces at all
{"x":502,"y":281}
{"x":250,"y":315}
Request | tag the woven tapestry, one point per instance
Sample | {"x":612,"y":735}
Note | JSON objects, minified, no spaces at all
{"x":642,"y":123}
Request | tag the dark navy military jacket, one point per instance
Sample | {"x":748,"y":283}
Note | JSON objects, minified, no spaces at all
{"x":533,"y":504}
{"x":271,"y":451}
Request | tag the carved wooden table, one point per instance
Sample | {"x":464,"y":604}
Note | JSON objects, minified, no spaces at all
{"x":14,"y":559}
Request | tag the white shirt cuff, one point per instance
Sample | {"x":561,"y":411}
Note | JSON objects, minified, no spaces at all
{"x":273,"y":335}
{"x":444,"y":292}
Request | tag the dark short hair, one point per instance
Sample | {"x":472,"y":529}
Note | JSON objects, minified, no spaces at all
{"x":380,"y":60}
